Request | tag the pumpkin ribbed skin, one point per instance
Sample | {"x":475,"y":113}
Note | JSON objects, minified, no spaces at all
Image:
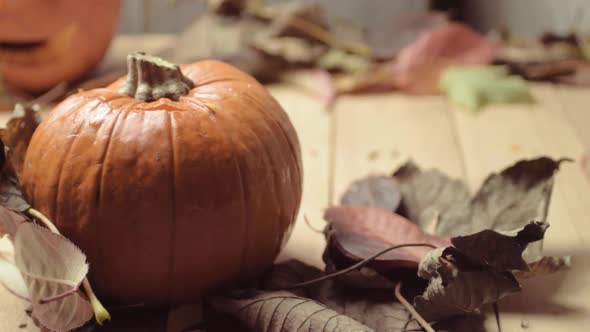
{"x":169,"y":199}
{"x":73,"y":35}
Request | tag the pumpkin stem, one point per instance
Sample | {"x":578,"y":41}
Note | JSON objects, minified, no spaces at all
{"x":150,"y":78}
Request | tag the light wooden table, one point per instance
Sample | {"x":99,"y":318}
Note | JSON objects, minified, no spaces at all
{"x":376,"y":133}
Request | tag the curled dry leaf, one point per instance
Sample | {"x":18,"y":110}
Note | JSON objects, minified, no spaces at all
{"x":476,"y":271}
{"x":498,"y":251}
{"x":377,"y":191}
{"x":362,"y":231}
{"x":17,"y":135}
{"x":281,"y":311}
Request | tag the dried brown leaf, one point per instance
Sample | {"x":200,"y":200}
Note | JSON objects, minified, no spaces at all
{"x":17,"y":135}
{"x":506,"y":201}
{"x":377,"y":191}
{"x":281,"y":311}
{"x":498,"y":251}
{"x":376,"y":309}
{"x":426,"y":194}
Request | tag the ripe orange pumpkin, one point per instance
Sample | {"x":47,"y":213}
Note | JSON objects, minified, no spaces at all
{"x":173,"y":186}
{"x":45,"y":42}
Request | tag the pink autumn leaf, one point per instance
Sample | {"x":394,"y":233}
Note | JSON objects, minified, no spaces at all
{"x":419,"y":65}
{"x":46,"y":269}
{"x":364,"y":231}
{"x":53,"y":269}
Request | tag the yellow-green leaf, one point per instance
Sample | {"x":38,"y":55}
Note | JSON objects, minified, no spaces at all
{"x":474,"y":87}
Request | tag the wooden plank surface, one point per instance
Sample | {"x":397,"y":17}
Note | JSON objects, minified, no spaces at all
{"x":313,"y":126}
{"x":377,"y":133}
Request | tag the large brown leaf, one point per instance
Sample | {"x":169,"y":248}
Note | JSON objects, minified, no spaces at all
{"x":506,"y":201}
{"x":281,"y":311}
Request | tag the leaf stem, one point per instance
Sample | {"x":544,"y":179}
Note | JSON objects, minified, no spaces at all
{"x":100,"y":312}
{"x":497,"y":314}
{"x":411,"y":309}
{"x":357,"y":265}
{"x":43,"y":219}
{"x":310,"y":226}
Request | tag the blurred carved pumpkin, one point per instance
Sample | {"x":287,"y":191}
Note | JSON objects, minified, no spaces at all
{"x":172,"y":183}
{"x":46,"y":42}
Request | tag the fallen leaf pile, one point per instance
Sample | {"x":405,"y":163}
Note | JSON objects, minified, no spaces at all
{"x":408,"y":53}
{"x":550,"y":57}
{"x":450,"y":253}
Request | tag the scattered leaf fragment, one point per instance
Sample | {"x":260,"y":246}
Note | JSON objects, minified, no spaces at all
{"x":474,"y":87}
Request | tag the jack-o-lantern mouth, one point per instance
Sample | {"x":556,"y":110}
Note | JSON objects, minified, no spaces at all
{"x":21,"y":46}
{"x":39,"y":51}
